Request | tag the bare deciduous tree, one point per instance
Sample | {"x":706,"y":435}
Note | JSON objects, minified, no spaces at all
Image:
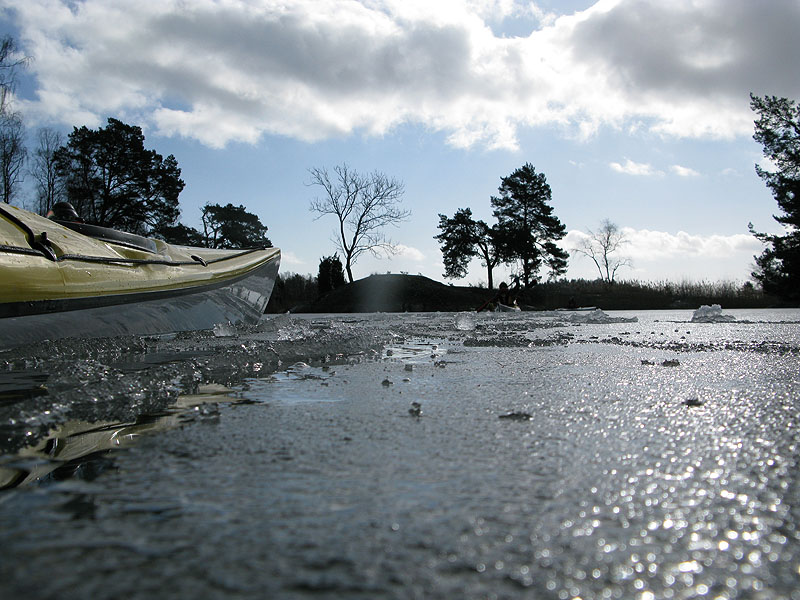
{"x":364,"y":205}
{"x":601,"y":246}
{"x":49,"y":186}
{"x":12,"y":154}
{"x":12,"y":133}
{"x":10,"y":62}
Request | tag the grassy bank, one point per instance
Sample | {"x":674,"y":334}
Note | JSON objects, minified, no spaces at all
{"x":415,"y":293}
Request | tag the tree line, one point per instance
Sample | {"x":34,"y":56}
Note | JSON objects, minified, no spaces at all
{"x":112,"y":180}
{"x":293,"y":289}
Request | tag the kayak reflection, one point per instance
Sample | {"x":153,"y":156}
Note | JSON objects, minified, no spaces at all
{"x":80,"y":449}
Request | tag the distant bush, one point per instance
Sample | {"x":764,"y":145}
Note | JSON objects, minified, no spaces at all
{"x":291,"y":289}
{"x":633,"y":295}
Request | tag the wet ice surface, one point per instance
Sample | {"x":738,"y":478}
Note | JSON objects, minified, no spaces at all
{"x":546,"y":457}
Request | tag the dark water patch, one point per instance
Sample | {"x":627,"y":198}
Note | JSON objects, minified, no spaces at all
{"x":755,"y":346}
{"x":516,"y":416}
{"x":506,"y":341}
{"x":517,"y":341}
{"x":18,"y":386}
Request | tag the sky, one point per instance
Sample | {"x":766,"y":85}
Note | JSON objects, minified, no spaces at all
{"x":636,"y":111}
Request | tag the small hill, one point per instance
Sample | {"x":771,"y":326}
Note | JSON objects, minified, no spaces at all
{"x":397,"y":293}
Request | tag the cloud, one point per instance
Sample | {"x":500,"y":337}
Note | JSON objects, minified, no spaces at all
{"x":684,"y":171}
{"x":646,"y":244}
{"x":408,"y":252}
{"x":291,"y":259}
{"x":221,"y":72}
{"x":647,"y":170}
{"x":634,"y":168}
{"x":650,"y":245}
{"x":681,"y":255}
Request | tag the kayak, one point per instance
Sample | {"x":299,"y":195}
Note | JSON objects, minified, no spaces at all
{"x":61,"y":279}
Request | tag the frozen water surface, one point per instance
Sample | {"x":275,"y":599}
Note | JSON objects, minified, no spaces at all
{"x":641,"y":455}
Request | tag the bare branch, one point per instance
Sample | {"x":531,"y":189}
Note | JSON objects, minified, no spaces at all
{"x":601,"y":245}
{"x":13,"y":155}
{"x":49,"y":187}
{"x":10,"y":63}
{"x":363,"y":206}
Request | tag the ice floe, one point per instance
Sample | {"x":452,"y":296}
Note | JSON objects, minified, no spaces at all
{"x":711,"y":314}
{"x":597,"y":316}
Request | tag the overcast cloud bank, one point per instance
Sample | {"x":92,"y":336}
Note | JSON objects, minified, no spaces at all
{"x":221,"y":72}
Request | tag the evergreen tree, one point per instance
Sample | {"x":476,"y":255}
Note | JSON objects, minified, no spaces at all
{"x":462,"y":238}
{"x":232,"y":226}
{"x":527,"y":229}
{"x":330,"y":275}
{"x":113,"y":180}
{"x":182,"y":234}
{"x":778,"y":131}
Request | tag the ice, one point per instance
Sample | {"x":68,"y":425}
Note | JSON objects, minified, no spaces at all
{"x":465,"y":322}
{"x":658,"y":455}
{"x":711,"y":314}
{"x":597,"y":316}
{"x":224,"y":330}
{"x":284,"y":327}
{"x":272,"y":324}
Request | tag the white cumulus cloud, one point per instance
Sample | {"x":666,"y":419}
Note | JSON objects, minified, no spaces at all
{"x":648,"y":245}
{"x":674,"y":256}
{"x":223,"y":71}
{"x":630,"y":167}
{"x":408,"y":252}
{"x":289,"y":258}
{"x":682,"y":171}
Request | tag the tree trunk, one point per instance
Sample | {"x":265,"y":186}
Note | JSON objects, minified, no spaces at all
{"x":489,"y":276}
{"x":349,"y":270}
{"x":526,"y":273}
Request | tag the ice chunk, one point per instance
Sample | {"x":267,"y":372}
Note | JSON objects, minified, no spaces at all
{"x":224,"y":330}
{"x":465,"y":322}
{"x":272,"y":324}
{"x":711,"y":314}
{"x":597,"y":316}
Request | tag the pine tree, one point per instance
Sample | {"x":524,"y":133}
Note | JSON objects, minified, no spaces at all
{"x":527,"y":227}
{"x":778,"y":131}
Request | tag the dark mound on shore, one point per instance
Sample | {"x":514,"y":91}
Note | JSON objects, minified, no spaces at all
{"x":397,"y":293}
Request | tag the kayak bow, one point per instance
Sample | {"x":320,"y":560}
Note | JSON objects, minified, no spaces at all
{"x":62,"y":279}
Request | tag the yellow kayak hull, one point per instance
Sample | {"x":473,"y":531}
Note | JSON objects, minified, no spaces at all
{"x":58,"y":282}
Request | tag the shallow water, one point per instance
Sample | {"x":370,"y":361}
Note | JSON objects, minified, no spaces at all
{"x":545,"y":457}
